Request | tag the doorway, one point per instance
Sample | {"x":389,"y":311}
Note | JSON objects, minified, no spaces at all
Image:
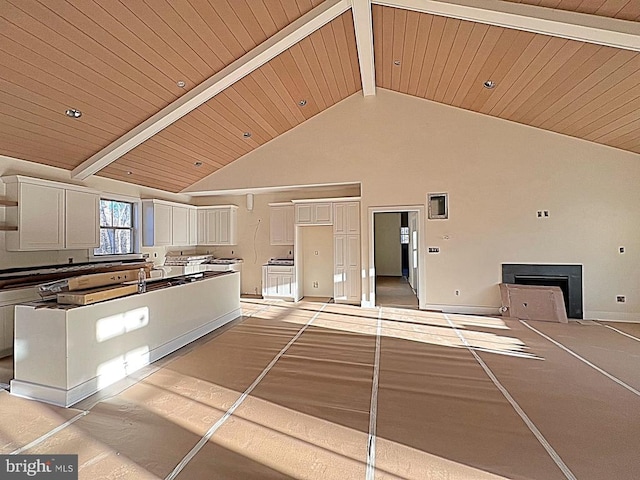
{"x":394,"y":252}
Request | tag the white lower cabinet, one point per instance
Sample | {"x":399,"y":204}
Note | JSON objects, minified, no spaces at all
{"x":279,"y":281}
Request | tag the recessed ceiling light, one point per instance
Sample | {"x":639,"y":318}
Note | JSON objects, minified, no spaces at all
{"x":73,"y":113}
{"x":197,"y":164}
{"x":181,"y":84}
{"x":396,"y":62}
{"x":489,"y":84}
{"x":302,"y":103}
{"x":246,"y":134}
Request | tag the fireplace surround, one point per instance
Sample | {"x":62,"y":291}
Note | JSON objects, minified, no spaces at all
{"x":567,"y":277}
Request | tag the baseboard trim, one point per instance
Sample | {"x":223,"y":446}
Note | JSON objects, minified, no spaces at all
{"x":463,"y":309}
{"x":612,"y":316}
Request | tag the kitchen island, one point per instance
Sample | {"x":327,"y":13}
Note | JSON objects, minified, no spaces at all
{"x":65,"y":353}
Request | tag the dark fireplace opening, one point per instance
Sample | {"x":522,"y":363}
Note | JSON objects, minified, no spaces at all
{"x":567,"y":277}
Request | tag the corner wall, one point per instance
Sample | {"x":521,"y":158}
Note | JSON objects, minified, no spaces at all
{"x":497,"y":174}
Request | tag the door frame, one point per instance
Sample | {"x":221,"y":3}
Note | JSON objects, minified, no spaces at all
{"x":421,"y":243}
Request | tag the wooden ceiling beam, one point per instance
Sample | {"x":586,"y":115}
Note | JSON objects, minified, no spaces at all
{"x":274,"y":46}
{"x":583,"y":27}
{"x":363,"y":26}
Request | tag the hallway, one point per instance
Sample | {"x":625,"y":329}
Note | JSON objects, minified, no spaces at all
{"x":395,"y":292}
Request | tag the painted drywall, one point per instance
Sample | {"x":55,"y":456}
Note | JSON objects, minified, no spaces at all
{"x":317,"y":248}
{"x":388,"y":251}
{"x":497,"y":174}
{"x":12,"y":166}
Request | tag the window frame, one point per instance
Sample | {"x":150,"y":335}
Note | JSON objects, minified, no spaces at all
{"x":136,"y":217}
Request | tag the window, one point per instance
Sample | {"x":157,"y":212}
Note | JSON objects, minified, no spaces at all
{"x":404,"y":235}
{"x":116,"y":228}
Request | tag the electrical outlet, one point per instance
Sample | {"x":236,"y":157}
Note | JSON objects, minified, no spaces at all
{"x":434,"y":249}
{"x":620,"y":249}
{"x":316,"y":252}
{"x":545,"y":213}
{"x":539,"y":213}
{"x":621,"y":299}
{"x":315,"y":284}
{"x":457,"y":292}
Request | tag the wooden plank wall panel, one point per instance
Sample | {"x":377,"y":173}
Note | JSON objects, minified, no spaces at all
{"x":583,"y":90}
{"x":322,"y":69}
{"x":622,"y":9}
{"x":118,"y":62}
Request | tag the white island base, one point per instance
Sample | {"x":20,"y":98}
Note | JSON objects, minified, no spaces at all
{"x":65,"y":354}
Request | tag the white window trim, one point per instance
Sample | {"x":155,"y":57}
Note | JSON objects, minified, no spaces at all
{"x":137,"y":228}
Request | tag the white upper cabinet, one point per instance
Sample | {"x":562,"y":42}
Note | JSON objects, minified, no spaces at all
{"x":193,"y":226}
{"x":51,"y":215}
{"x":179,"y":225}
{"x":315,"y":213}
{"x":346,"y":218}
{"x":281,"y":223}
{"x":218,"y":225}
{"x":82,"y":221}
{"x":157,"y":223}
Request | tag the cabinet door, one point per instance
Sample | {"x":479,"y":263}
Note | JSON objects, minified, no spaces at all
{"x":346,"y":218}
{"x":273,"y":284}
{"x":212,"y":222}
{"x":162,"y":224}
{"x":346,"y":254}
{"x":82,"y":220}
{"x":202,"y":227}
{"x":285,"y":285}
{"x":179,"y":226}
{"x":281,"y":225}
{"x":193,"y":226}
{"x":353,"y":282}
{"x":339,"y":267}
{"x":41,"y":218}
{"x":223,"y":236}
{"x":322,"y":213}
{"x":304,"y":214}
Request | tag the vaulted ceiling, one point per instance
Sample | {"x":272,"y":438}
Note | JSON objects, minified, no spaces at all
{"x":172,"y":90}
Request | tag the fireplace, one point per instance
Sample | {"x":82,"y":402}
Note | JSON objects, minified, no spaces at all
{"x":567,"y":277}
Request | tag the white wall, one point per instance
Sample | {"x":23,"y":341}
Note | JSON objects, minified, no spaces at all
{"x":317,"y":246}
{"x":388,"y":254}
{"x":497,"y":174}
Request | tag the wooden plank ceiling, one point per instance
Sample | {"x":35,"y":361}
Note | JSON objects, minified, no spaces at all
{"x":622,"y":9}
{"x":578,"y":89}
{"x":119,"y":62}
{"x":319,"y":71}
